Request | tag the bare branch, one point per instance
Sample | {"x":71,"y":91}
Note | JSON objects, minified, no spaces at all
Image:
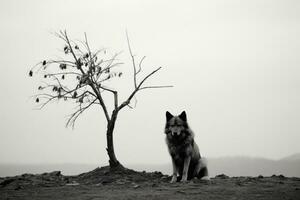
{"x":101,"y":101}
{"x":115,"y":93}
{"x":140,"y":65}
{"x":155,"y":87}
{"x":125,"y":103}
{"x":133,"y":61}
{"x":73,"y":117}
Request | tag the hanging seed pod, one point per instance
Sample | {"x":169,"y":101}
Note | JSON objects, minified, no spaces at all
{"x":37,"y":100}
{"x":81,"y":99}
{"x":40,"y":88}
{"x":30,"y":73}
{"x":76,"y":47}
{"x":44,"y":62}
{"x":66,"y":49}
{"x":120,"y":74}
{"x":55,"y":89}
{"x":63,"y":66}
{"x":74,"y":94}
{"x":79,"y":64}
{"x":45,"y":76}
{"x":63,"y":77}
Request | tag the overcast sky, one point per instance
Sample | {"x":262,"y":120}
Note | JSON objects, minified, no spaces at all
{"x":234,"y":65}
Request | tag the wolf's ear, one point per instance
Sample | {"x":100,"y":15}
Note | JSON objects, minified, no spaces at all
{"x":183,"y":116}
{"x":168,"y":115}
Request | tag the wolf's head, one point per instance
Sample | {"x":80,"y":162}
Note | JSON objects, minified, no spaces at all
{"x":176,"y":126}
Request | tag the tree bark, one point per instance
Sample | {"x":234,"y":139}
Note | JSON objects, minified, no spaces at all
{"x":113,"y":162}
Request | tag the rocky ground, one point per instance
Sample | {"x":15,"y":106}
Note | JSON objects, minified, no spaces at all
{"x":103,"y":183}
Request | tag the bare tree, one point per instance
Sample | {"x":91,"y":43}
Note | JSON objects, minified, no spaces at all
{"x":87,"y":73}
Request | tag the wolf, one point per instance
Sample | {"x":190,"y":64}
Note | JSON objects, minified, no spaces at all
{"x":184,"y":152}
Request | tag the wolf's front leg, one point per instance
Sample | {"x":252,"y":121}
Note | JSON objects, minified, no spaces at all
{"x":186,"y":165}
{"x":174,"y":175}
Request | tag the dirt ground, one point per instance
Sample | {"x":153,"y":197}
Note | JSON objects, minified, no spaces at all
{"x":104,"y":184}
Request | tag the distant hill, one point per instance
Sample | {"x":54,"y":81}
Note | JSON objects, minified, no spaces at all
{"x":245,"y":166}
{"x":294,"y":157}
{"x":241,"y":166}
{"x":231,"y":166}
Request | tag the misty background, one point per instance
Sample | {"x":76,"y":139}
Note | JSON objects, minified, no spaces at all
{"x":234,"y":65}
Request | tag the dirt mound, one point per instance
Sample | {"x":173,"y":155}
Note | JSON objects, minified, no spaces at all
{"x":98,"y":176}
{"x":31,"y":180}
{"x":121,"y":175}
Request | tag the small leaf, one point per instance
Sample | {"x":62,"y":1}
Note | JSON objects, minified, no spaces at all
{"x":45,"y":76}
{"x":79,"y":64}
{"x":66,"y":49}
{"x":55,"y":89}
{"x":74,"y":94}
{"x":120,"y":74}
{"x":76,"y":47}
{"x":63,"y":66}
{"x":40,"y":88}
{"x":30,"y":73}
{"x":81,"y":99}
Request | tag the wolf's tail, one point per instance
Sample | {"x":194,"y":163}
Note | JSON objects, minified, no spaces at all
{"x":203,"y":172}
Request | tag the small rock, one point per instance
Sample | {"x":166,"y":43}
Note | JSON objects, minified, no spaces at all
{"x":55,"y":173}
{"x":281,"y":176}
{"x":260,"y":176}
{"x":106,"y":180}
{"x":158,"y":173}
{"x":154,"y":185}
{"x":239,"y":183}
{"x":222,"y":176}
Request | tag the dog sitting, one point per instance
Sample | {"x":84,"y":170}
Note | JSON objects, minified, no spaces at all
{"x":186,"y":158}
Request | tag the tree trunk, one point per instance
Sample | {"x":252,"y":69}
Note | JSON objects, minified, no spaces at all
{"x":113,"y":162}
